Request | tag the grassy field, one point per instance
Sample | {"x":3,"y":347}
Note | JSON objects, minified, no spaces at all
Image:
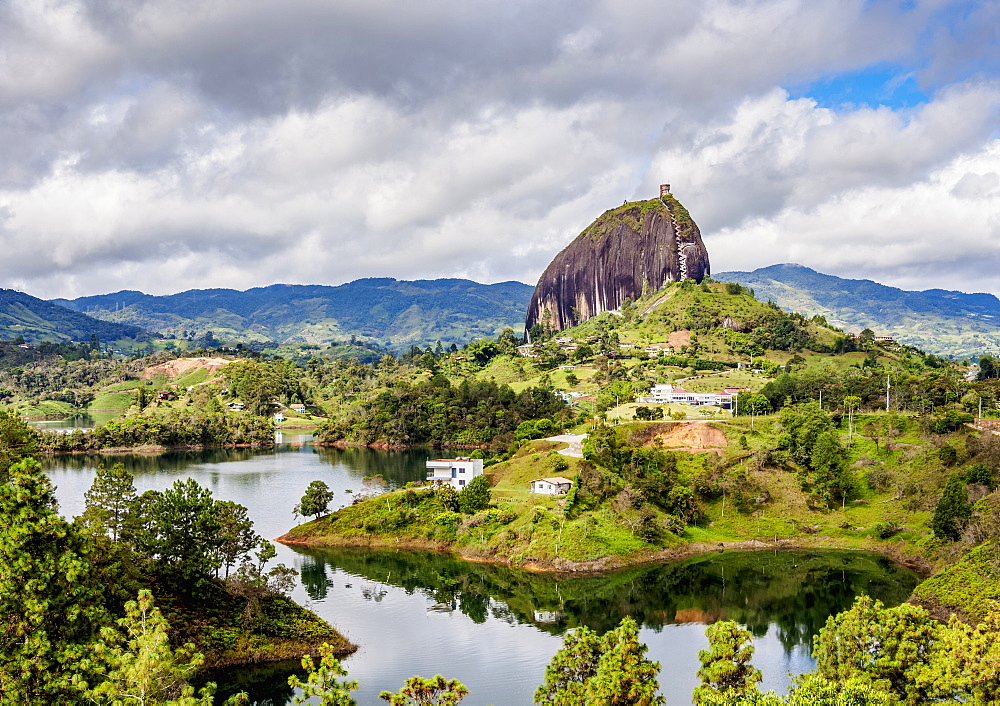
{"x":46,"y":408}
{"x":113,"y":400}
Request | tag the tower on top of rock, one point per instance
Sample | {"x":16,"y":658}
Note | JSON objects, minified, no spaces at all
{"x":664,"y":190}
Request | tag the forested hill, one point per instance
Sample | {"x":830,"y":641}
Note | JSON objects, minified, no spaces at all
{"x":393,"y":312}
{"x":38,"y":320}
{"x":936,"y":320}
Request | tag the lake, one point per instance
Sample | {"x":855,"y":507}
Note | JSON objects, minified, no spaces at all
{"x":492,"y":627}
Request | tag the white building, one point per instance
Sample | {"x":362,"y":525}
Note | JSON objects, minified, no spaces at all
{"x":557,"y":485}
{"x":660,"y":394}
{"x":456,"y":472}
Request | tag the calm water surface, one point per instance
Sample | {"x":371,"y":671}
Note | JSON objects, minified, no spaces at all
{"x":495,"y":628}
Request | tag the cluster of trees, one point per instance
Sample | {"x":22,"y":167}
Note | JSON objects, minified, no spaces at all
{"x":259,"y":384}
{"x":868,"y":655}
{"x":67,"y":379}
{"x":63,"y":584}
{"x":181,"y":535}
{"x":643,"y":485}
{"x":919,"y":390}
{"x":954,"y":512}
{"x":174,"y":428}
{"x":436,"y":412}
{"x":809,"y":437}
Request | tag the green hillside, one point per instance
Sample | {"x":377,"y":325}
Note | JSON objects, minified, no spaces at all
{"x":395,"y":313}
{"x":37,"y":320}
{"x":938,"y":321}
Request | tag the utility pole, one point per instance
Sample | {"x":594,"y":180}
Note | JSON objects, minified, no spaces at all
{"x":887,"y":386}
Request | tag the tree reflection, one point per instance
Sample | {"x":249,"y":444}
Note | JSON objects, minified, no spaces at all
{"x":793,"y":591}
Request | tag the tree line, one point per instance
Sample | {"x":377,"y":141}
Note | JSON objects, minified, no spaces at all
{"x":175,"y":428}
{"x":436,"y":412}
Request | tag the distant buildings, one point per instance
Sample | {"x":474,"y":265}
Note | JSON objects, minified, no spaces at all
{"x":456,"y":472}
{"x":661,"y":394}
{"x":655,"y":350}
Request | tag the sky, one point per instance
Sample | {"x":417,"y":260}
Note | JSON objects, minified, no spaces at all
{"x":164,"y":145}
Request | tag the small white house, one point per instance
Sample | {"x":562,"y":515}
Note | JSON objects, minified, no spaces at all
{"x":557,"y":485}
{"x":456,"y":472}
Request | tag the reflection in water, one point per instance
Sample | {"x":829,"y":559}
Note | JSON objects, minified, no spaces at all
{"x":80,"y":420}
{"x":795,"y":591}
{"x":495,"y":627}
{"x":268,"y":683}
{"x":397,"y":467}
{"x":426,"y":599}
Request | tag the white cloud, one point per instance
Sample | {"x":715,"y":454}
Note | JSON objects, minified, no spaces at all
{"x":174,"y":144}
{"x":941,"y":231}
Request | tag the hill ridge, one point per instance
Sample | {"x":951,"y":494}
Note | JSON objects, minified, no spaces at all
{"x":944,"y":322}
{"x":397,"y":313}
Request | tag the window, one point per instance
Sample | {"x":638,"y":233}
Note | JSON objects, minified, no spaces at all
{"x":461,"y":481}
{"x":461,"y":470}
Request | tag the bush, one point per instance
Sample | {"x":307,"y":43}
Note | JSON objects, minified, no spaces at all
{"x":980,"y":474}
{"x":447,"y":519}
{"x":885,"y":530}
{"x":948,"y":455}
{"x":953,"y":510}
{"x":879,"y":479}
{"x":475,"y":496}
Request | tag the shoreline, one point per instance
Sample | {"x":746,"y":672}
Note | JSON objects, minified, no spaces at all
{"x":153,"y":449}
{"x":611,"y":563}
{"x":385,"y":446}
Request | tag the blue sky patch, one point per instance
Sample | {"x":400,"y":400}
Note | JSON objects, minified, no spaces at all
{"x":892,"y":86}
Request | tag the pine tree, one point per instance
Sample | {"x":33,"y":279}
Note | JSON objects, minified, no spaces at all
{"x":609,"y":669}
{"x":142,"y":667}
{"x":725,"y":666}
{"x":17,"y":441}
{"x":887,"y":648}
{"x":316,"y":499}
{"x":952,"y":511}
{"x":50,"y":604}
{"x":109,"y":500}
{"x":237,"y":538}
{"x":181,"y":532}
{"x":436,"y":691}
{"x":322,"y":681}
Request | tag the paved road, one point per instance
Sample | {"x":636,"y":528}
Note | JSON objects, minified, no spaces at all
{"x":575,"y":442}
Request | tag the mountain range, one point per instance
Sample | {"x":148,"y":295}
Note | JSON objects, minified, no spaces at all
{"x":392,"y":312}
{"x":399,"y":314}
{"x":938,"y":321}
{"x":36,"y":320}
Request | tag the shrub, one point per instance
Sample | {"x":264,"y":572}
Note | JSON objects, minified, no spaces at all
{"x":447,"y":519}
{"x":953,"y":510}
{"x":885,"y":530}
{"x":879,"y":479}
{"x":980,"y":474}
{"x":475,"y":496}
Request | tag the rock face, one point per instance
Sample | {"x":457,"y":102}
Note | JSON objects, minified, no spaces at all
{"x":640,"y":244}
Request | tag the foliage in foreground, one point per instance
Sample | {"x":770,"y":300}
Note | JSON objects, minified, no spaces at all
{"x":603,"y":669}
{"x":867,"y":655}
